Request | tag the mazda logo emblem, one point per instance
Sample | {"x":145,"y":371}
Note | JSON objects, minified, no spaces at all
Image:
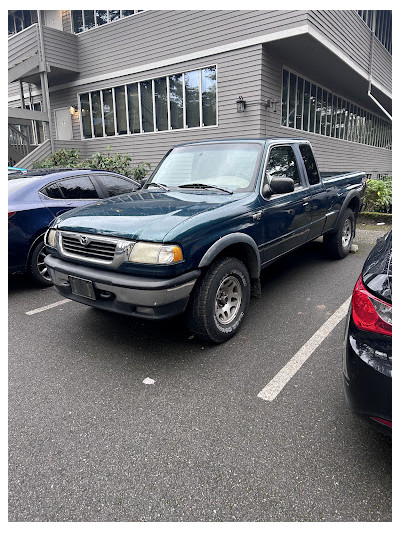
{"x":84,"y":240}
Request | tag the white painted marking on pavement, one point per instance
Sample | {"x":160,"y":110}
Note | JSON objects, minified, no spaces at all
{"x":40,"y":309}
{"x":274,"y":387}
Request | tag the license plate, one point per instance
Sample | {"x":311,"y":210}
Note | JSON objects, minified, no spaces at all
{"x":82,"y":287}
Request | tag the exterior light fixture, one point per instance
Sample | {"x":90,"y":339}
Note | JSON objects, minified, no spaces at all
{"x":72,"y":109}
{"x":240,"y":104}
{"x":271,"y":103}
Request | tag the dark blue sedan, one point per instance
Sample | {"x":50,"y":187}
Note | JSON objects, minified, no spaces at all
{"x":37,"y":197}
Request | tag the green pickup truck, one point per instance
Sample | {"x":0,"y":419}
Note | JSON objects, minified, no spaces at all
{"x":195,"y":236}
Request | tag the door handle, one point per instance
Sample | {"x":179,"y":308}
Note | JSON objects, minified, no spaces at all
{"x":257,"y":216}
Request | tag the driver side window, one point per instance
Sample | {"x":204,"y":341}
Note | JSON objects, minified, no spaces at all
{"x":282,"y":164}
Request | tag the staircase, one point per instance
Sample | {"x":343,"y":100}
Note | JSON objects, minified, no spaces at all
{"x":18,"y":145}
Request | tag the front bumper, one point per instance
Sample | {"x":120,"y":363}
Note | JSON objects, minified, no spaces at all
{"x":122,"y":293}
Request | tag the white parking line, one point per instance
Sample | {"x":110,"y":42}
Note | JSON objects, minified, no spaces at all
{"x":40,"y":309}
{"x":274,"y":387}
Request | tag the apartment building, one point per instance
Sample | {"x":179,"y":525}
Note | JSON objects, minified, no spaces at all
{"x":144,"y":81}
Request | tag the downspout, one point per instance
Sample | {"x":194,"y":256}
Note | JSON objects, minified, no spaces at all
{"x":44,"y":81}
{"x":371,"y":56}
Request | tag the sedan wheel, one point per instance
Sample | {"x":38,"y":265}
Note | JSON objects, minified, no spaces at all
{"x":37,"y":268}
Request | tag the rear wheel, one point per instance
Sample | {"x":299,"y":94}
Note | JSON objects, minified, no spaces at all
{"x":37,"y":268}
{"x":219,"y":301}
{"x":338,"y":242}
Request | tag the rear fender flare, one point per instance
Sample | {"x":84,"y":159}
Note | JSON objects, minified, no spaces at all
{"x":350,"y":196}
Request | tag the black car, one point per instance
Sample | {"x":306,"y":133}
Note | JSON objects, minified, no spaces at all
{"x":367,"y":361}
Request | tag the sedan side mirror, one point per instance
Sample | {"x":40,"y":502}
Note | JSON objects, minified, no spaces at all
{"x":281,"y":185}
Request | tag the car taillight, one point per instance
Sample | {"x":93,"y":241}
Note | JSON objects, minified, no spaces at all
{"x":370,"y":313}
{"x":387,"y":423}
{"x":11,"y":213}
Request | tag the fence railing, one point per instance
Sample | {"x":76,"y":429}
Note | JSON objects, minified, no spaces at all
{"x":18,"y":141}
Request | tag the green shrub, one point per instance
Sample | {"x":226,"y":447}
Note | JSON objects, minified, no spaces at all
{"x":378,"y":196}
{"x":62,"y":158}
{"x":112,"y":162}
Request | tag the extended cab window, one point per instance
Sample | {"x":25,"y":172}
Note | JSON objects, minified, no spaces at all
{"x":310,"y":164}
{"x":282,"y":164}
{"x":77,"y":188}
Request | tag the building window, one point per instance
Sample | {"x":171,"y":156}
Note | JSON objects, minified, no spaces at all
{"x":381,"y":23}
{"x":179,"y":101}
{"x":83,"y":20}
{"x":19,"y":20}
{"x":309,"y":107}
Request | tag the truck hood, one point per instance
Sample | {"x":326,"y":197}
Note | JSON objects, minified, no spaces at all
{"x":143,"y":215}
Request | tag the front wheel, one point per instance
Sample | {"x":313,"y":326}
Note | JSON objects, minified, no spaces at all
{"x":36,"y":268}
{"x":219,"y":301}
{"x":338,"y":242}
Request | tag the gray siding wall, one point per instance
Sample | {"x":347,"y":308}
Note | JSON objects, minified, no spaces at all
{"x":61,"y":49}
{"x":238,"y":72}
{"x":347,"y":31}
{"x":163,"y":36}
{"x":41,"y":152}
{"x":22,"y":45}
{"x":332,"y":154}
{"x":382,"y":65}
{"x":157,"y":35}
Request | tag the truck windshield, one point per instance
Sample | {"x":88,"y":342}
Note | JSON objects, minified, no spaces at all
{"x":231,"y":166}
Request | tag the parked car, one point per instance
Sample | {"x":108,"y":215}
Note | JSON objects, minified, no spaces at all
{"x":368,"y":354}
{"x":36,"y":197}
{"x":196,"y":236}
{"x":16,"y":170}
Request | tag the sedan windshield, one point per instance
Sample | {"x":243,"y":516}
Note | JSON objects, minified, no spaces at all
{"x":224,"y":166}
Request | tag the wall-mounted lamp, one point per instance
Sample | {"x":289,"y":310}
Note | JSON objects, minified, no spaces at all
{"x":73,"y":109}
{"x":271,"y":103}
{"x":240,"y":104}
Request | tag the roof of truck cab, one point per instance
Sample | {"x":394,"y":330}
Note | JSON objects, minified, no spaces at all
{"x":264,"y":140}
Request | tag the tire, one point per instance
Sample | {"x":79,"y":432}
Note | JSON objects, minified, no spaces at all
{"x":338,"y":242}
{"x":36,"y":268}
{"x":219,"y":301}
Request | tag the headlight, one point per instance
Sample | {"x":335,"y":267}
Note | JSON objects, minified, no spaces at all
{"x":153,"y":253}
{"x":50,"y":238}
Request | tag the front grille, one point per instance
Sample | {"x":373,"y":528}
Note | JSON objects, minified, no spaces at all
{"x":96,"y":249}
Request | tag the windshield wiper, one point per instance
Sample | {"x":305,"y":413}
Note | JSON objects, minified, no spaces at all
{"x":203,"y":186}
{"x":160,"y":185}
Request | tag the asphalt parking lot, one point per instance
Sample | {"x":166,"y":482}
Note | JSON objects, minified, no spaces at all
{"x":117,"y":419}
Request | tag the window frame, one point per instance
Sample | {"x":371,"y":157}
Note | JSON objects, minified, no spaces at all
{"x":57,"y":180}
{"x":138,"y":84}
{"x":22,"y":19}
{"x":121,"y":17}
{"x":306,"y":143}
{"x":348,"y":128}
{"x":96,"y":177}
{"x":303,"y":183}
